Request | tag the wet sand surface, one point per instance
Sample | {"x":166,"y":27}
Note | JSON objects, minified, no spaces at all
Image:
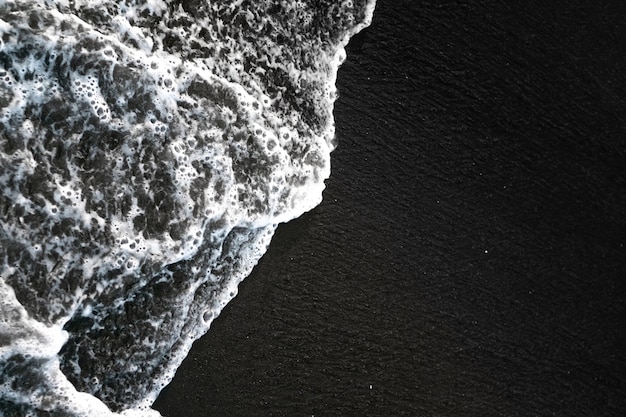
{"x":469,"y":257}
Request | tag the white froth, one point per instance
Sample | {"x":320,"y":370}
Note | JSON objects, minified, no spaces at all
{"x":147,"y":149}
{"x":87,"y":89}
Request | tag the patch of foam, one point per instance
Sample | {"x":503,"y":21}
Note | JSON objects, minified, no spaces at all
{"x":147,"y":154}
{"x":32,"y":342}
{"x":86,"y":88}
{"x":28,"y":337}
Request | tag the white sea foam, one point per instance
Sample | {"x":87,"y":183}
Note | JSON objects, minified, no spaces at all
{"x":148,"y":150}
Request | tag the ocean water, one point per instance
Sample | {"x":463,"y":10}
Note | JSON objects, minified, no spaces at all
{"x":148,"y":150}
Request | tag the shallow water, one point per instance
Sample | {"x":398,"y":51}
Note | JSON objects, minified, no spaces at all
{"x":148,"y":152}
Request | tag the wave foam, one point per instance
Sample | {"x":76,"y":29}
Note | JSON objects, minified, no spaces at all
{"x":147,"y":152}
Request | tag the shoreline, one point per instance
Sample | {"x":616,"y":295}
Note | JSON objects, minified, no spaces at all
{"x":468,"y":257}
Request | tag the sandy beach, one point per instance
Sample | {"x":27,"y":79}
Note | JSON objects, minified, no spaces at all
{"x":469,"y":256}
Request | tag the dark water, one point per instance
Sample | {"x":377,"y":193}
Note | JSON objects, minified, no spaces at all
{"x":468,"y":258}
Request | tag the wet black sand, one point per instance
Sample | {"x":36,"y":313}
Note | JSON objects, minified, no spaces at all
{"x":469,"y":257}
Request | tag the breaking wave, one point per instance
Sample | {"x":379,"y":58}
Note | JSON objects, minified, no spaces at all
{"x":148,"y":150}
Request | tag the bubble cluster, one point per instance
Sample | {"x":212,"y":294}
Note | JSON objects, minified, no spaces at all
{"x":86,"y":89}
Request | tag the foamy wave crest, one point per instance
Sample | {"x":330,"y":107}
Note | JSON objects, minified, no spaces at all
{"x":148,"y":149}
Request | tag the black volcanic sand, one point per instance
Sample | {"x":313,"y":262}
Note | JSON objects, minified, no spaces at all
{"x":469,"y":256}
